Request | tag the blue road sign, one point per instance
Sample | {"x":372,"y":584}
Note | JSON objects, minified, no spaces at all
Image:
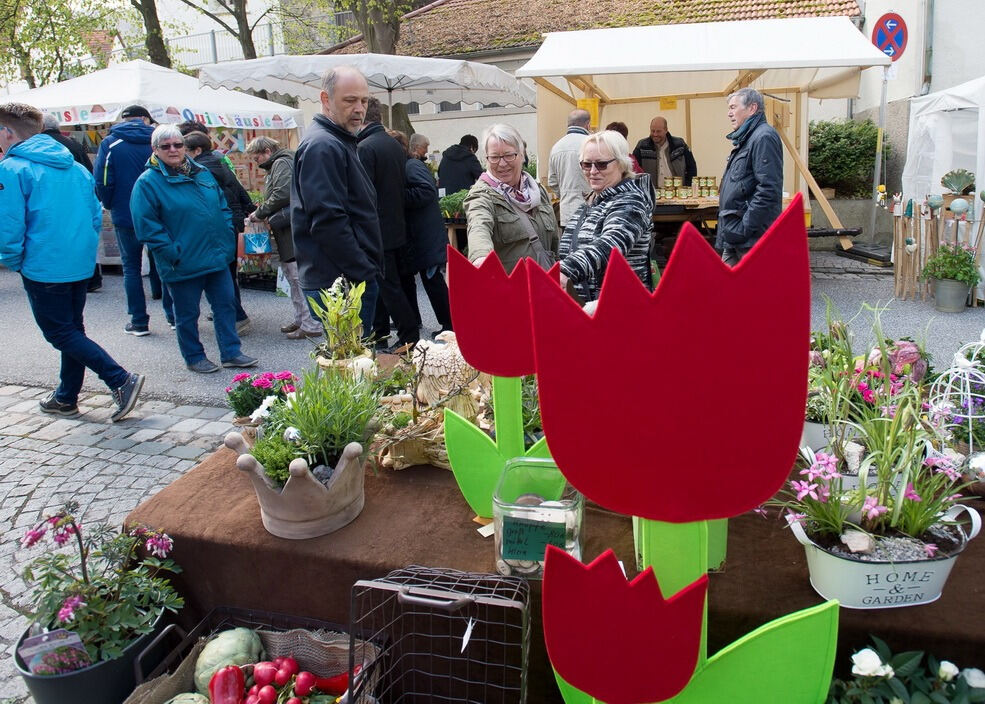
{"x":889,"y":35}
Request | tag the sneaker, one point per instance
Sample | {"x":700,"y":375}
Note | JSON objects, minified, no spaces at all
{"x":136,"y":330}
{"x":242,"y":326}
{"x":203,"y":366}
{"x":290,"y":327}
{"x":240,"y":361}
{"x":56,"y":407}
{"x":126,"y":396}
{"x":171,"y":324}
{"x":300,"y":334}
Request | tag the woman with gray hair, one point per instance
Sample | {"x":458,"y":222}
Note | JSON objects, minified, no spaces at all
{"x":618,"y":214}
{"x":507,"y":211}
{"x":180,"y":213}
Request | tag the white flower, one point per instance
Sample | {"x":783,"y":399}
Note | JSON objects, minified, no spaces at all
{"x":867,"y":663}
{"x":292,"y":435}
{"x":948,"y":671}
{"x":263,"y":410}
{"x":974,"y":677}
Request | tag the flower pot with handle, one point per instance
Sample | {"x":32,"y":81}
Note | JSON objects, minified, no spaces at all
{"x":858,"y":584}
{"x":950,"y":296}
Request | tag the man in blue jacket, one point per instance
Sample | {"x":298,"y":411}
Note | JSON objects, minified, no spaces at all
{"x":49,"y":231}
{"x":119,"y":163}
{"x":751,"y":195}
{"x":333,"y":202}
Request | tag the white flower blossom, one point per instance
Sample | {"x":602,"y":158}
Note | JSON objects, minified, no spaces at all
{"x":867,"y":663}
{"x":263,"y":410}
{"x":974,"y":677}
{"x":947,"y":671}
{"x":292,"y":435}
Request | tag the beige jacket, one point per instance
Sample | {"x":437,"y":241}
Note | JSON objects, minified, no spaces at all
{"x":495,"y":226}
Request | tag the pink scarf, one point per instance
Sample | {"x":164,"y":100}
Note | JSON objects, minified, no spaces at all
{"x":526,"y":197}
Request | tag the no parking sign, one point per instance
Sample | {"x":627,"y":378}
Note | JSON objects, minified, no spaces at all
{"x":890,"y":35}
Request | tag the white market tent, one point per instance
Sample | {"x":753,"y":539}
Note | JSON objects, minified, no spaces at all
{"x":393,"y":79}
{"x":947,"y":131}
{"x":683,"y":72}
{"x":169,"y":96}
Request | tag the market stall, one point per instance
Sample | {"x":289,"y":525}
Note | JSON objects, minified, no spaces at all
{"x":684,"y":72}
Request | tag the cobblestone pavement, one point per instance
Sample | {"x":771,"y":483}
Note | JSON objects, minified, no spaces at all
{"x":109,"y":468}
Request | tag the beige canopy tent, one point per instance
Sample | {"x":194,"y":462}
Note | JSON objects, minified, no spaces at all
{"x":684,"y":72}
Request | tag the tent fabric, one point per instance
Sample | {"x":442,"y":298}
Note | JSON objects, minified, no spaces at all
{"x":393,"y":79}
{"x":822,"y":56}
{"x":170,"y":96}
{"x":947,"y":131}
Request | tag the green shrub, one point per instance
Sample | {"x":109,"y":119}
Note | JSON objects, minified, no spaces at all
{"x":842,"y":155}
{"x":275,"y":454}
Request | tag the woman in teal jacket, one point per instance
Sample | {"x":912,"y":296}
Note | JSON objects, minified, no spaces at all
{"x":180,"y":213}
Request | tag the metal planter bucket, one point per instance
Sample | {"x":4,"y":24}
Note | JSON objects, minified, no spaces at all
{"x":950,"y":296}
{"x":880,"y":585}
{"x":816,"y":436}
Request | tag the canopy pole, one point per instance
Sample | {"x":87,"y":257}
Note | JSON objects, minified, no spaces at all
{"x":687,"y":120}
{"x":877,"y":174}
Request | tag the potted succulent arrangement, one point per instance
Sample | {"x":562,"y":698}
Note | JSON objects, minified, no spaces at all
{"x":246,"y":393}
{"x":93,"y":608}
{"x":338,"y":311}
{"x":954,"y":271}
{"x":307,"y":466}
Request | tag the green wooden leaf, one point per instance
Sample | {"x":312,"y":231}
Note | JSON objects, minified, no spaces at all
{"x":475,"y":461}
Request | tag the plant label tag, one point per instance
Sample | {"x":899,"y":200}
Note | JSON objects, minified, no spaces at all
{"x":54,"y":653}
{"x":524,"y":539}
{"x":486,"y":530}
{"x":468,"y":633}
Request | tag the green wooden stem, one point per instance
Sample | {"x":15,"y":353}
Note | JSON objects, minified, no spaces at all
{"x":508,"y":415}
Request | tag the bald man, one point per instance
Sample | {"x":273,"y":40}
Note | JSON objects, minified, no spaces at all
{"x":564,"y":174}
{"x":662,"y":155}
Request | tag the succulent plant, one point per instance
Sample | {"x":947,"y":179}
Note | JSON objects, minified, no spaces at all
{"x":959,"y":181}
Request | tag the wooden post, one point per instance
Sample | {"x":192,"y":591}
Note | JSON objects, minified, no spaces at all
{"x":687,"y":121}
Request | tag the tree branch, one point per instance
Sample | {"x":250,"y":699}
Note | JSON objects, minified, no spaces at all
{"x":215,"y":17}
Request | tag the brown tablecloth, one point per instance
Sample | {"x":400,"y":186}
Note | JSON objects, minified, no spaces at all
{"x":418,"y":517}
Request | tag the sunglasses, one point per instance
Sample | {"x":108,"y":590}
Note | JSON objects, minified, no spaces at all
{"x":599,"y":165}
{"x":171,"y":145}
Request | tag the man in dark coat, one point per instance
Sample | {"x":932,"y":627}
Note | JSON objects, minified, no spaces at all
{"x":51,"y":128}
{"x":751,"y":194}
{"x":333,"y":203}
{"x":662,"y":155}
{"x":383,"y":158}
{"x":459,"y":168}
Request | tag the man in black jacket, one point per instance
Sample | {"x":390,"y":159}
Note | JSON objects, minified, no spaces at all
{"x":751,"y":195}
{"x":384,"y":159}
{"x":662,"y":155}
{"x":333,"y":203}
{"x":459,"y":167}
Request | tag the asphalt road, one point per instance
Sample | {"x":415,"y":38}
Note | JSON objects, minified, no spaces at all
{"x":27,"y":359}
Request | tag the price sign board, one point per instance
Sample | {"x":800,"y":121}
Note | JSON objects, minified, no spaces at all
{"x":890,"y":35}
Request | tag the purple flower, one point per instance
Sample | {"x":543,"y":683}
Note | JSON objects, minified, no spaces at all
{"x":67,"y":612}
{"x":160,"y":544}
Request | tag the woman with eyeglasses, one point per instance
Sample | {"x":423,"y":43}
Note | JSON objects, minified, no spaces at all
{"x":180,"y":213}
{"x":618,"y":213}
{"x":507,"y":211}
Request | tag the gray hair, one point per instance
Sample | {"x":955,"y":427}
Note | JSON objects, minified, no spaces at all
{"x":51,"y":122}
{"x":162,"y":132}
{"x":333,"y":75}
{"x":262,"y":144}
{"x":579,"y":118}
{"x":750,"y":96}
{"x":615,"y":144}
{"x":504,"y":133}
{"x":417,"y":140}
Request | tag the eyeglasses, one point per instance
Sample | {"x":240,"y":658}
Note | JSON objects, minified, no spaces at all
{"x":506,"y":158}
{"x":599,"y":165}
{"x":171,"y":145}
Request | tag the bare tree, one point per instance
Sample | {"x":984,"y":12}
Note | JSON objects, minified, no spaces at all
{"x":157,"y":49}
{"x":242,"y":29}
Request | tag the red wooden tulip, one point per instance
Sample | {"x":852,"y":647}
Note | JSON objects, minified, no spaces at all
{"x":491,"y":314}
{"x":686,"y":404}
{"x":621,"y":642}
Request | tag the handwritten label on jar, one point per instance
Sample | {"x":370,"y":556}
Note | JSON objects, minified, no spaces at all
{"x":524,"y":539}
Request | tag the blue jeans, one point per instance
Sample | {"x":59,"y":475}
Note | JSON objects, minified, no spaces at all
{"x":131,"y":251}
{"x":187,"y":294}
{"x":58,"y":311}
{"x":367,"y":310}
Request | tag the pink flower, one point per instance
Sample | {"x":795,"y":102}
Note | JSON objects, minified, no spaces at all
{"x":33,"y":536}
{"x":228,"y":389}
{"x":911,"y":494}
{"x":804,"y":489}
{"x":826,"y":466}
{"x":67,"y":612}
{"x":872,"y":509}
{"x":930,"y":549}
{"x":869,"y":396}
{"x":284,"y":375}
{"x":160,"y":544}
{"x":243,"y":376}
{"x":267,"y":375}
{"x":262,"y":383}
{"x":760,"y":510}
{"x":815,"y":358}
{"x":288,"y":388}
{"x":64,"y":534}
{"x":798,"y":517}
{"x":823,"y":493}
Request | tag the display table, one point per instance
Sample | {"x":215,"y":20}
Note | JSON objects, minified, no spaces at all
{"x":418,"y":517}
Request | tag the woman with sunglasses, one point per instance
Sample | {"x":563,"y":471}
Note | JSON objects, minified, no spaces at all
{"x":618,"y":213}
{"x":507,"y":211}
{"x":180,"y":213}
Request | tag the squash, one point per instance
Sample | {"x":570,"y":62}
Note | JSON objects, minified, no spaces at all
{"x":188,"y":698}
{"x":239,"y":646}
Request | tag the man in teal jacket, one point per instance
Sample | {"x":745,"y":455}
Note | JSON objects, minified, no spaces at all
{"x":49,"y":229}
{"x":180,"y":213}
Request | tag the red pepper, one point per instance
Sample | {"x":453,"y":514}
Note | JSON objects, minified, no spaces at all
{"x":287,"y":667}
{"x":264,"y":672}
{"x":227,"y":685}
{"x":336,"y":685}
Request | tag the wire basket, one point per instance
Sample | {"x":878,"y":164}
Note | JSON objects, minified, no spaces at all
{"x":445,"y":636}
